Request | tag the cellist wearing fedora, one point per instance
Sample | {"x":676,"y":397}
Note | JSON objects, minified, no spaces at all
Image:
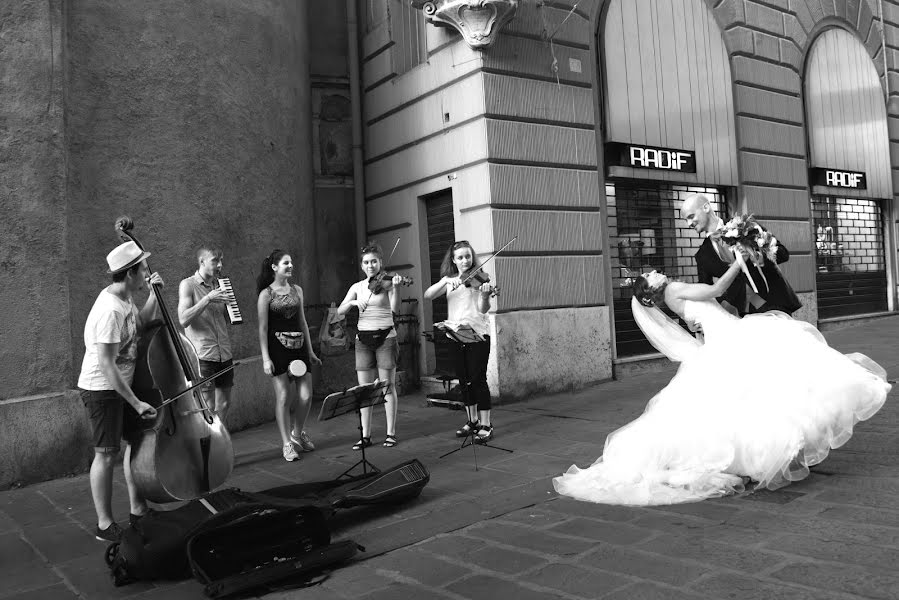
{"x":110,"y":356}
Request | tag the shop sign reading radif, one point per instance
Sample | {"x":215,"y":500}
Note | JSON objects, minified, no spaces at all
{"x":650,"y":157}
{"x":852,"y":180}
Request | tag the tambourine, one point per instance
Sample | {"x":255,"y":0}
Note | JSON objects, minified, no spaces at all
{"x":297,"y":368}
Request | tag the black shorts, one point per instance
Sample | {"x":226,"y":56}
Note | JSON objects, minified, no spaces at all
{"x":211,"y":367}
{"x":111,"y":419}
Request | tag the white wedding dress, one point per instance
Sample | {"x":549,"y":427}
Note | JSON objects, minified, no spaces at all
{"x":764,"y":397}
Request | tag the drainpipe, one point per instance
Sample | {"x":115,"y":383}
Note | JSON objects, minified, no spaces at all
{"x":352,"y":29}
{"x":891,"y":207}
{"x":883,"y":47}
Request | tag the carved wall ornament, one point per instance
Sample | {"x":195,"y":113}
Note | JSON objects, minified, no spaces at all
{"x":479,"y":21}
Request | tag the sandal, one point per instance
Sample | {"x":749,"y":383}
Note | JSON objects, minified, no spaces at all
{"x":484,"y":434}
{"x":390,"y":441}
{"x":362,"y":443}
{"x":467,"y":429}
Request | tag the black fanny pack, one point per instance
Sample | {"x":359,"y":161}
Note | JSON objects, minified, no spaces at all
{"x":374,"y":339}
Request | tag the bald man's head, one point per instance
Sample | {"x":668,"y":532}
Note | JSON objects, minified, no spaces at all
{"x":698,"y":213}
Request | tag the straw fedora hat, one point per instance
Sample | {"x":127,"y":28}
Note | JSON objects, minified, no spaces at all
{"x":124,"y":256}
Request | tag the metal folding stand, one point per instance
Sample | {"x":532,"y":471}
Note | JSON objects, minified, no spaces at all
{"x":350,"y":400}
{"x":464,"y":336}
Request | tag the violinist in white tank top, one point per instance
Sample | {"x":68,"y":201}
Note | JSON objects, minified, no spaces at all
{"x":467,"y":305}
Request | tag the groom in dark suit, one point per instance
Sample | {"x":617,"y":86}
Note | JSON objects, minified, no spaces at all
{"x":714,"y":257}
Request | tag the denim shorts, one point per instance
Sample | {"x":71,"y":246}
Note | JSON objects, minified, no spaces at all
{"x":384,"y":357}
{"x":110,"y":419}
{"x":211,"y":367}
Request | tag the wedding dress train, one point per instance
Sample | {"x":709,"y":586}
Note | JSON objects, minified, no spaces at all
{"x":764,"y":397}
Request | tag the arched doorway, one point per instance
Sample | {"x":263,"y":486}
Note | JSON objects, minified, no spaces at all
{"x":850,"y":176}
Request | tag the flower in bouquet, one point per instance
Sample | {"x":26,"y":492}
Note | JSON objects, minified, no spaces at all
{"x":745,"y":232}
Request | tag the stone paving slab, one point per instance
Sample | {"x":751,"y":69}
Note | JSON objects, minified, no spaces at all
{"x":637,"y":563}
{"x":843,"y":578}
{"x":500,"y":531}
{"x":652,"y":591}
{"x":734,"y":585}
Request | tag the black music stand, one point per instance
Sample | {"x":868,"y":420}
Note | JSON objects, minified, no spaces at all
{"x":350,"y":400}
{"x":464,"y":336}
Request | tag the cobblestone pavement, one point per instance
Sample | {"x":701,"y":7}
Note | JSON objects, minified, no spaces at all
{"x":499,"y":531}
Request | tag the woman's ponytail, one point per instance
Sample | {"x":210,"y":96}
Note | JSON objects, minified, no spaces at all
{"x":266,"y":273}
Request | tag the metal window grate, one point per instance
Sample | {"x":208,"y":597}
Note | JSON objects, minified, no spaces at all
{"x":441,"y":235}
{"x":849,"y":256}
{"x":849,"y":234}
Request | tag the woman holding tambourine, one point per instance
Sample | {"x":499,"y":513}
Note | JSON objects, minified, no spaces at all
{"x":286,"y":350}
{"x":377,"y":350}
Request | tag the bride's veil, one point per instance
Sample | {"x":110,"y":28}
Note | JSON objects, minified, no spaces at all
{"x":663,"y":332}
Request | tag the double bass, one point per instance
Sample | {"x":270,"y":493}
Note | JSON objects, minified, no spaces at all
{"x":186,"y":451}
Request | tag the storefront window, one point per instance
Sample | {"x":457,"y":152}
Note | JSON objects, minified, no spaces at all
{"x":646,"y":232}
{"x":849,"y":256}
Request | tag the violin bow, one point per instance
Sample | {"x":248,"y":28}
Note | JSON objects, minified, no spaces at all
{"x":383,"y":268}
{"x":390,"y":258}
{"x":484,"y":264}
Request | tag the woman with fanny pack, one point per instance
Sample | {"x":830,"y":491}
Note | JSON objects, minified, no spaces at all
{"x":286,"y":349}
{"x":378,"y":300}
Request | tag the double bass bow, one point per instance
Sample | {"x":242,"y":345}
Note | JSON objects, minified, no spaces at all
{"x":187,"y":451}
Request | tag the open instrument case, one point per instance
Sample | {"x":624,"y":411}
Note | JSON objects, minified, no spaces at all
{"x":234,"y":541}
{"x":265,"y":548}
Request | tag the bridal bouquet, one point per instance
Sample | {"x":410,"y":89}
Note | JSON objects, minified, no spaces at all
{"x":744,"y":232}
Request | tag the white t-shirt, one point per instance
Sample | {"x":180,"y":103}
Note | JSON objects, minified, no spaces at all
{"x":462,"y":308}
{"x":111,"y":321}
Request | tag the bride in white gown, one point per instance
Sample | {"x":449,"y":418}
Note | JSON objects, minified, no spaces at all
{"x":764,"y":397}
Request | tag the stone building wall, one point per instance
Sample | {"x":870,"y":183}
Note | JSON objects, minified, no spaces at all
{"x":193,"y":118}
{"x":34,"y":337}
{"x":520,"y":149}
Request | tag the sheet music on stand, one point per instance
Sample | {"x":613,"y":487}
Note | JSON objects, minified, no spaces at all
{"x":459,"y":332}
{"x":354,"y":399}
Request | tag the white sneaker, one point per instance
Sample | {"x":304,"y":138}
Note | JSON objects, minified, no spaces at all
{"x":289,"y":453}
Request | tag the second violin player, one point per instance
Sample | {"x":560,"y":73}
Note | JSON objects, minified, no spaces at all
{"x":377,"y":350}
{"x":468,"y":305}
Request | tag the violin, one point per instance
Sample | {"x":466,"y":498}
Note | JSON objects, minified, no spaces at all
{"x":477,"y":279}
{"x":479,"y":276}
{"x":383,"y":282}
{"x":187,"y":451}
